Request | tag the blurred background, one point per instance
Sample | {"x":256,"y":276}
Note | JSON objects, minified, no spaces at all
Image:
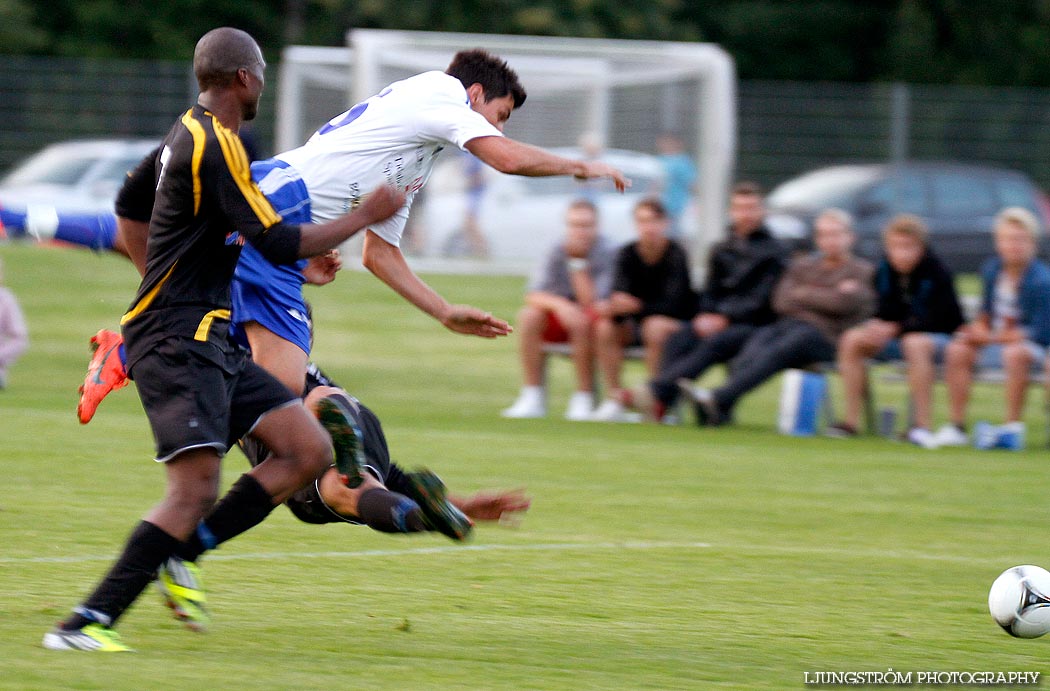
{"x":816,"y":83}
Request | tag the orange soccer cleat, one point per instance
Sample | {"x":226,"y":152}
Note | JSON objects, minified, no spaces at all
{"x":105,"y":373}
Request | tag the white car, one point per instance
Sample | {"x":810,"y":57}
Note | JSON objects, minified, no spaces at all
{"x":521,"y":218}
{"x":79,"y":176}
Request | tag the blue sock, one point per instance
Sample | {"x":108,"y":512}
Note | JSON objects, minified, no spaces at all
{"x":13,"y":223}
{"x":96,"y":232}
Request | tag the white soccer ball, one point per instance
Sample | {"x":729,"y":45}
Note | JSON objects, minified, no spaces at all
{"x":1020,"y":601}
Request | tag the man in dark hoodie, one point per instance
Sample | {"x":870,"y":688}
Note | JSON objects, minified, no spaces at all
{"x":742,"y":271}
{"x":819,"y":298}
{"x":918,"y":310}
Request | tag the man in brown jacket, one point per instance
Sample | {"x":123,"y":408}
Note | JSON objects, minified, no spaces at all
{"x":819,"y":297}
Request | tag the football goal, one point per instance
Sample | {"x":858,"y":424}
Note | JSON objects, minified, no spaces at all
{"x":586,"y":97}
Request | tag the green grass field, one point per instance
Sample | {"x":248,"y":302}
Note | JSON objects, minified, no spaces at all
{"x":653,"y":558}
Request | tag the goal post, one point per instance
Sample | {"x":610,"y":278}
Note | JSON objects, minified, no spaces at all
{"x":619,"y":94}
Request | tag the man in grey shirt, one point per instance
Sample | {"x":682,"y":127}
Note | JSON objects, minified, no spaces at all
{"x":559,"y":308}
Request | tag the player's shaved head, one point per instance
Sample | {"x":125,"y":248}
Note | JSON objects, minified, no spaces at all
{"x":223,"y":51}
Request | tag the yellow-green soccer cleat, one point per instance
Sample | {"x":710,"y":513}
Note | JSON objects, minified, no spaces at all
{"x":426,"y":489}
{"x":180,"y":584}
{"x":93,"y":637}
{"x":346,"y":440}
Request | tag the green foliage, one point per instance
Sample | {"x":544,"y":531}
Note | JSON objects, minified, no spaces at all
{"x":653,"y":558}
{"x":1002,"y":42}
{"x":18,"y":34}
{"x":953,"y":41}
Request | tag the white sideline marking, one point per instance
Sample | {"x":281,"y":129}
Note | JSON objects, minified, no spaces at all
{"x":556,"y":547}
{"x":447,"y":549}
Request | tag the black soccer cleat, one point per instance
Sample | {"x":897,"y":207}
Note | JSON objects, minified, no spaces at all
{"x":427,"y":490}
{"x":346,"y":440}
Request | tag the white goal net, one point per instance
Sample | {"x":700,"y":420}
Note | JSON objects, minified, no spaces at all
{"x":586,"y":97}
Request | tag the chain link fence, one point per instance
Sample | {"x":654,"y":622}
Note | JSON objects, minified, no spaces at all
{"x":784,"y":127}
{"x":44,"y":100}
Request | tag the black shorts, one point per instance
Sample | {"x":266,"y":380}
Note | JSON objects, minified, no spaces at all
{"x":197,"y":395}
{"x":633,"y":325}
{"x":306,"y":504}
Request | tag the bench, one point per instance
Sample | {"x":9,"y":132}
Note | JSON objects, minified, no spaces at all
{"x":565,"y":350}
{"x":980,"y":376}
{"x":638,"y":353}
{"x":869,"y":408}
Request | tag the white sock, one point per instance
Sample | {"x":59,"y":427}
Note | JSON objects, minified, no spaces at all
{"x":41,"y":221}
{"x":531,"y":393}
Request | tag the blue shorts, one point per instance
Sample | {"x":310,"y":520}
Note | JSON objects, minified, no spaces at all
{"x":271,"y":294}
{"x":991,"y":356}
{"x":893,"y":350}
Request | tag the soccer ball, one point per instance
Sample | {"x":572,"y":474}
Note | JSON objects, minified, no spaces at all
{"x":1020,"y":601}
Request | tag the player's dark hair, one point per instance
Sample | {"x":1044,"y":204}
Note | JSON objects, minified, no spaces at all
{"x":581,"y":203}
{"x":747,"y":188}
{"x":220,"y":53}
{"x":654,"y":205}
{"x":479,"y":66}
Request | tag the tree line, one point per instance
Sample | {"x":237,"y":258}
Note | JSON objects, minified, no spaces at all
{"x":992,"y":42}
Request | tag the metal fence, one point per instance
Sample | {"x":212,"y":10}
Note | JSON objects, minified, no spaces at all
{"x":784,"y":127}
{"x":789,"y":127}
{"x":43,"y":100}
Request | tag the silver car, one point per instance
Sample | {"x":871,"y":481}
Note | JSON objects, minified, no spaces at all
{"x":521,"y":218}
{"x":79,"y":176}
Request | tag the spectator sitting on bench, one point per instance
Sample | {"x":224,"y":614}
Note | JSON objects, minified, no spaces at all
{"x":652,"y":295}
{"x":918,"y":311}
{"x":742,"y":272}
{"x":819,"y":297}
{"x":1011,"y":332}
{"x":559,"y":308}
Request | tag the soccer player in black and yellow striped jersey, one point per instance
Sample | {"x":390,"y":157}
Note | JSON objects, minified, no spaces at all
{"x":199,"y":392}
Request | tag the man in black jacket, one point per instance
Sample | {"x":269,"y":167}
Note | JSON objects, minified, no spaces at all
{"x":918,"y":310}
{"x":743,"y":270}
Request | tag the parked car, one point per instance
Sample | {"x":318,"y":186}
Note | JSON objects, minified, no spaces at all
{"x":957,"y":201}
{"x":522,"y":217}
{"x":80,"y":176}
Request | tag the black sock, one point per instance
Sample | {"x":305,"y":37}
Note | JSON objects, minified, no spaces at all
{"x":390,"y":512}
{"x":245,"y":506}
{"x":146,"y":549}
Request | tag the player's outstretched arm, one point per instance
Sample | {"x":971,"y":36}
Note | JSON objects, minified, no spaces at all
{"x":379,"y":205}
{"x":389,"y":265}
{"x":493,"y":506}
{"x":515,"y":158}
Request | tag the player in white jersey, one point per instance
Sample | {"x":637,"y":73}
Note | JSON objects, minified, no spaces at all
{"x":391,"y":137}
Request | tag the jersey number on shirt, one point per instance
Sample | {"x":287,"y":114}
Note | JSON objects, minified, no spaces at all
{"x":165,"y":156}
{"x":352,"y":114}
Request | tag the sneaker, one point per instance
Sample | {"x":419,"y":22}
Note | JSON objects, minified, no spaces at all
{"x":346,"y":440}
{"x":93,"y":636}
{"x":529,"y":405}
{"x":612,"y":410}
{"x":179,"y":583}
{"x":841,"y":430}
{"x":671,"y":419}
{"x":642,"y":400}
{"x":951,"y":435}
{"x":581,"y":406}
{"x":922,"y":437}
{"x":1011,"y":436}
{"x":708,"y":412}
{"x":105,"y":373}
{"x":426,"y":489}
